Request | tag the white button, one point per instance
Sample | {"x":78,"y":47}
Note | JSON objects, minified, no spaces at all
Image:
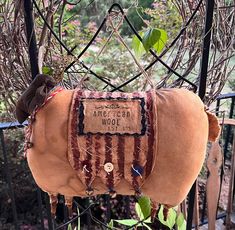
{"x":108,"y":167}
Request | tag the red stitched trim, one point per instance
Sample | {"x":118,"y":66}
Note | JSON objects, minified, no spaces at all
{"x":51,"y":95}
{"x":151,"y":135}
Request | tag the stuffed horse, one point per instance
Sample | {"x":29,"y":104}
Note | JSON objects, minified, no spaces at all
{"x":83,"y":143}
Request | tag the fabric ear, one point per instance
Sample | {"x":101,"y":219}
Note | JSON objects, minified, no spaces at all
{"x":21,"y":115}
{"x":214,"y":127}
{"x":38,"y":99}
{"x":33,"y":96}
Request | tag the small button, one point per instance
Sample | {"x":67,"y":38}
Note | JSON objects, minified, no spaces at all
{"x":108,"y":167}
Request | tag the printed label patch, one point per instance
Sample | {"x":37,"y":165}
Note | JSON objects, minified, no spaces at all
{"x":112,"y":116}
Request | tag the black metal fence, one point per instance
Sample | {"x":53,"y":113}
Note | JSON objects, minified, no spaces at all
{"x":43,"y":216}
{"x":226,"y":140}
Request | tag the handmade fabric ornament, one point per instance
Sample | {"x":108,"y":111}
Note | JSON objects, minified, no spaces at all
{"x":88,"y":143}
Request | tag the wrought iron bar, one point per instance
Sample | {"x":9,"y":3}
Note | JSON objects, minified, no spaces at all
{"x":88,"y":216}
{"x":202,"y":89}
{"x":226,"y":95}
{"x":48,"y":211}
{"x":217,"y":107}
{"x":31,"y":37}
{"x":108,"y":208}
{"x":39,"y":199}
{"x":65,"y":210}
{"x":206,"y":48}
{"x":228,"y":131}
{"x":229,"y":128}
{"x":128,"y":211}
{"x":203,"y":208}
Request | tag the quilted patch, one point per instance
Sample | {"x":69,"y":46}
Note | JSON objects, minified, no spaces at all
{"x":115,"y":130}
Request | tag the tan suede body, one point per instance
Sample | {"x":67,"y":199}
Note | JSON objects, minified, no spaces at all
{"x":181,"y":132}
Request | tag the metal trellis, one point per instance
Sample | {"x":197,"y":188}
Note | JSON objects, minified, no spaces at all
{"x":33,"y":57}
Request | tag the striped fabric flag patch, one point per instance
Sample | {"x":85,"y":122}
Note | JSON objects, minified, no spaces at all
{"x":112,"y":136}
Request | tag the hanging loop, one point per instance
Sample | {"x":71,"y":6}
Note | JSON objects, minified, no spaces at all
{"x":110,"y":18}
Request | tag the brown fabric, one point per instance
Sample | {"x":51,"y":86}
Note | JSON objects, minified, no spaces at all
{"x":181,"y":130}
{"x":33,"y":96}
{"x":214,"y":128}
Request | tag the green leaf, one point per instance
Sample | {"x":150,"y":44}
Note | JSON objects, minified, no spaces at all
{"x":145,"y":206}
{"x":47,"y":70}
{"x":127,"y":222}
{"x":151,"y":37}
{"x":148,"y":220}
{"x":161,"y":43}
{"x":180,"y":221}
{"x":137,"y":46}
{"x":139,"y":211}
{"x":69,"y":227}
{"x":170,"y":222}
{"x":183,"y":226}
{"x":79,"y":225}
{"x":110,"y":224}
